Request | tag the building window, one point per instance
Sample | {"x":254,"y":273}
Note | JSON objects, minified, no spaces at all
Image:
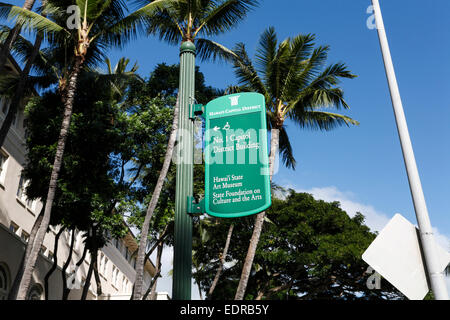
{"x":35,"y":292}
{"x":21,"y":195}
{"x":21,"y":189}
{"x":125,"y":284}
{"x":103,"y":264}
{"x":13,"y":227}
{"x":3,"y":165}
{"x":79,"y":240}
{"x":4,"y":282}
{"x":50,"y":256}
{"x":115,"y":276}
{"x":25,"y":236}
{"x":100,"y":257}
{"x":30,"y":204}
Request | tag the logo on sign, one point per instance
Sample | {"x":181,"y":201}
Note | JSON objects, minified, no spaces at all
{"x":234,"y":100}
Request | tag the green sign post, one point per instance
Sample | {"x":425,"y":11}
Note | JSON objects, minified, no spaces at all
{"x":182,"y":257}
{"x":237,"y":180}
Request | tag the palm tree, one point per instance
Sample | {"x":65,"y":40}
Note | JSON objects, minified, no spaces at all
{"x":120,"y":77}
{"x":222,"y":258}
{"x":19,"y":91}
{"x":297,"y":86}
{"x":12,"y":36}
{"x":103,"y":24}
{"x":179,"y":22}
{"x":199,"y":20}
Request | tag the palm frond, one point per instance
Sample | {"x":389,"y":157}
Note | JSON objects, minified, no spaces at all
{"x":292,"y":77}
{"x":310,"y":69}
{"x":166,"y":25}
{"x":246,"y":72}
{"x":236,"y":89}
{"x":21,"y":48}
{"x":140,"y":21}
{"x":321,"y":120}
{"x":221,"y":16}
{"x":314,"y":99}
{"x":213,"y":51}
{"x":266,"y":50}
{"x":31,"y":21}
{"x":301,"y":49}
{"x":330,"y":76}
{"x":287,"y":155}
{"x":277,"y":69}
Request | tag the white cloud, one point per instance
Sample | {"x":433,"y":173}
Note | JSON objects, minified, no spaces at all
{"x":375,"y":219}
{"x":441,"y":239}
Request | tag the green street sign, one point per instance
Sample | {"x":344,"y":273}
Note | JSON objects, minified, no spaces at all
{"x":237,"y":179}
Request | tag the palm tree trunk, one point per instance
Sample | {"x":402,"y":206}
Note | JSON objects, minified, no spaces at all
{"x":87,"y":284}
{"x":158,"y":243}
{"x":18,"y":95}
{"x":222,"y":261}
{"x":66,"y":291}
{"x":98,"y":282}
{"x":259,"y":221}
{"x":66,"y":265}
{"x":152,"y":284}
{"x":153,"y":294}
{"x":68,"y":106}
{"x":55,"y":263}
{"x":15,"y":287}
{"x":139,"y":282}
{"x":12,"y":36}
{"x":152,"y":288}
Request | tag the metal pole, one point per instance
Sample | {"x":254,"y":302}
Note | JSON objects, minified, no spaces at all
{"x":182,"y":264}
{"x":435,"y":275}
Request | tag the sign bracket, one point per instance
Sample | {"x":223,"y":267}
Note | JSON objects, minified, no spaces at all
{"x":194,"y":207}
{"x":196,"y":110}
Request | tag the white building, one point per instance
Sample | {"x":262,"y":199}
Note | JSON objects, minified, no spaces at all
{"x":116,"y":265}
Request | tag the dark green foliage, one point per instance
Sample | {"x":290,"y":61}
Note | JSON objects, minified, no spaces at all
{"x":88,"y":179}
{"x":309,"y":249}
{"x":163,"y":82}
{"x":106,"y":140}
{"x":162,"y":85}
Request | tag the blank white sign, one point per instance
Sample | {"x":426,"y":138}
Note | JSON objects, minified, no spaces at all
{"x":395,"y":255}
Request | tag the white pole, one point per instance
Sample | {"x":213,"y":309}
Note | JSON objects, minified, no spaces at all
{"x":436,"y":276}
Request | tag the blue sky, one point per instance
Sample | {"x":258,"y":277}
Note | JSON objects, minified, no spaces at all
{"x":362,"y":163}
{"x":361,"y":166}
